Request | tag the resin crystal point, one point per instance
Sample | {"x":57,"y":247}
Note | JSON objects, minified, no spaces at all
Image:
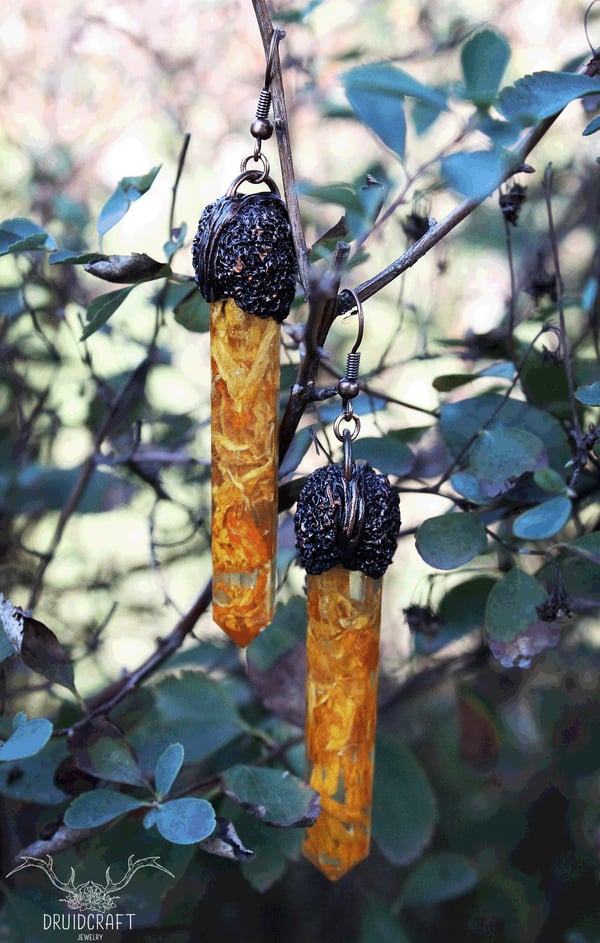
{"x":346,"y":533}
{"x":245,"y":265}
{"x":244,"y":401}
{"x":342,"y":652}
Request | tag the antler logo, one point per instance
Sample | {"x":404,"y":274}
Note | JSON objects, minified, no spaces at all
{"x":89,"y":895}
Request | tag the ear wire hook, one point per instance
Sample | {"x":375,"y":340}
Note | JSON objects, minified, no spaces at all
{"x":276,"y":37}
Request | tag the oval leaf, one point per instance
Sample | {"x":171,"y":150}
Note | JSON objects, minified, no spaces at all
{"x":543,"y":521}
{"x":448,"y":541}
{"x":167,"y":767}
{"x":589,"y":395}
{"x":272,"y":795}
{"x":404,"y":806}
{"x":378,"y":103}
{"x":543,"y":94}
{"x":474,"y":174}
{"x":42,"y":652}
{"x":192,"y":312}
{"x":103,"y":308}
{"x":500,"y":456}
{"x":99,"y":807}
{"x":511,"y":605}
{"x":387,"y":455}
{"x":22,"y":235}
{"x":439,"y":877}
{"x":484,"y":58}
{"x":128,"y":190}
{"x":186,"y":821}
{"x":28,"y":739}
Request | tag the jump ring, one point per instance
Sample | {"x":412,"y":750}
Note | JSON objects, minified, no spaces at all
{"x":258,"y":159}
{"x":354,"y":420}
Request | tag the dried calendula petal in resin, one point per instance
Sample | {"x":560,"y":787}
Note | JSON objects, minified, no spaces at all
{"x":245,"y":267}
{"x":342,"y":653}
{"x":346,"y":533}
{"x":244,"y":402}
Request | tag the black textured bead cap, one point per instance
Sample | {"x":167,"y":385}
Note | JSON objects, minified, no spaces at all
{"x":322,"y":537}
{"x":244,"y":250}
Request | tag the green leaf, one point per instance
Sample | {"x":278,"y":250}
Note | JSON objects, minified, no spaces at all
{"x":272,"y":795}
{"x":550,"y":481}
{"x":42,"y":652}
{"x":167,"y":767}
{"x":389,"y":456}
{"x":22,"y":235}
{"x":500,"y":456}
{"x":33,"y":779}
{"x":27,"y":740}
{"x":273,"y":847}
{"x":544,"y":520}
{"x":12,"y":302}
{"x":100,"y":749}
{"x":543,"y":94}
{"x":511,"y":605}
{"x":484,"y":58}
{"x":66,"y":257}
{"x":589,"y":395}
{"x":188,"y":708}
{"x":176,"y":241}
{"x":448,"y":541}
{"x":193,"y":312}
{"x":438,"y":877}
{"x":404,"y":805}
{"x":186,"y":821}
{"x":474,"y":174}
{"x":128,"y":190}
{"x":460,"y":422}
{"x":99,"y":807}
{"x":378,"y":104}
{"x":103,"y":308}
{"x":592,"y":127}
{"x":460,"y":612}
{"x":379,"y":925}
{"x":38,"y":488}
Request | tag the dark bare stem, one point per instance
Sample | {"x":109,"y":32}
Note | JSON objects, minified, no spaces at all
{"x":80,"y":486}
{"x":511,"y":269}
{"x":322,"y":312}
{"x":265,"y":25}
{"x":564,"y":339}
{"x":175,"y":187}
{"x":107,"y":699}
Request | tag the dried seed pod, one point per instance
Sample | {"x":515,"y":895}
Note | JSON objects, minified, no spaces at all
{"x":346,"y":533}
{"x":245,"y":265}
{"x":327,"y":509}
{"x":243,"y":249}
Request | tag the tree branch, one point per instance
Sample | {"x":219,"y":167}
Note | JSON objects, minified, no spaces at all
{"x":265,"y":25}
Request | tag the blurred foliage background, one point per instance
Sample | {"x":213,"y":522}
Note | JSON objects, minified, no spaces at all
{"x":486,"y":804}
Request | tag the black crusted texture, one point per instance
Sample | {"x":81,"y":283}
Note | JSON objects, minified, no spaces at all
{"x":325,"y":505}
{"x":244,"y":250}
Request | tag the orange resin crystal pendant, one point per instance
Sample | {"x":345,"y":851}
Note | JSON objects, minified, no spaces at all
{"x":245,"y":267}
{"x":346,"y":533}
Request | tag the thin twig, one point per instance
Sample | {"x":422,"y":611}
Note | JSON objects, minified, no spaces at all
{"x":175,"y":187}
{"x":83,"y":479}
{"x":564,"y":339}
{"x":322,"y":312}
{"x":107,"y":699}
{"x":265,"y":25}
